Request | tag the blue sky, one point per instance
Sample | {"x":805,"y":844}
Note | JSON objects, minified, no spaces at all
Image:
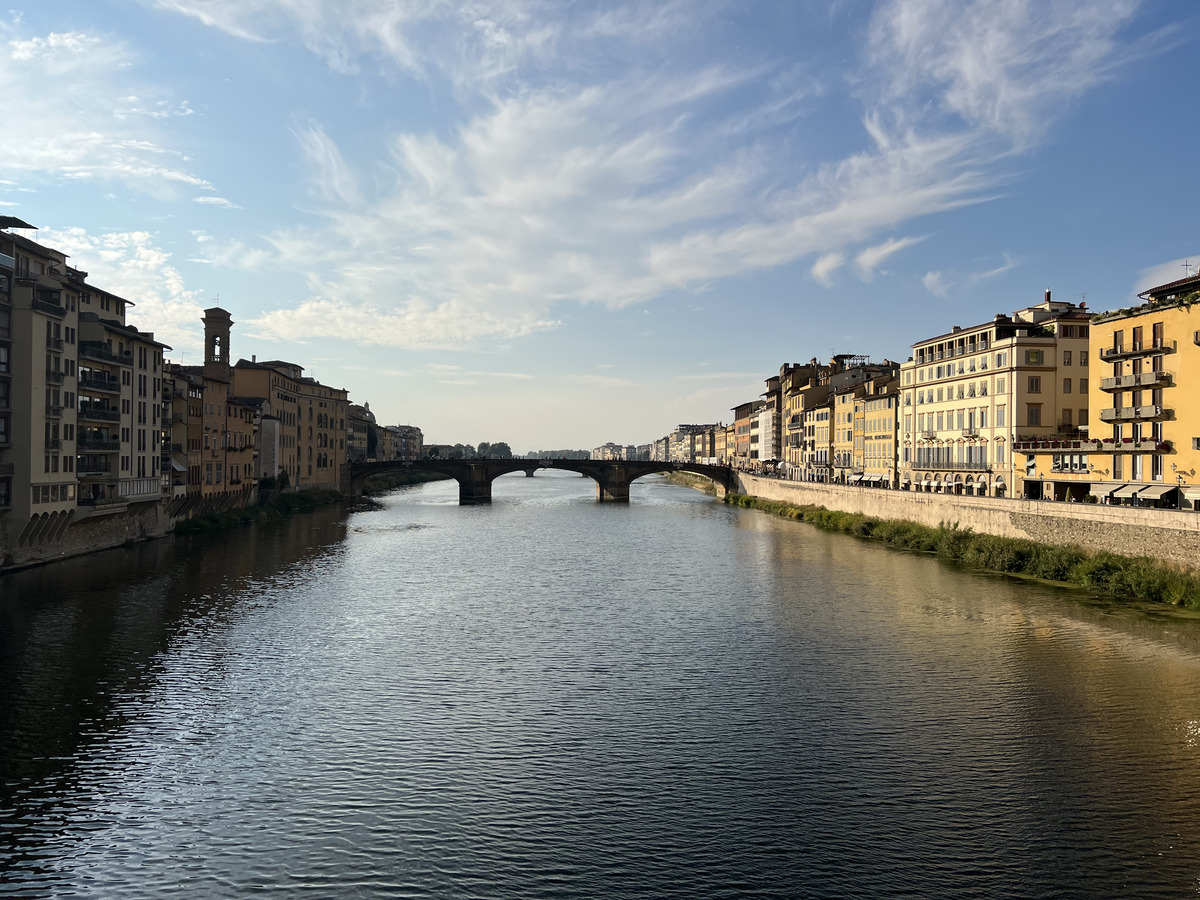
{"x":558,"y":223}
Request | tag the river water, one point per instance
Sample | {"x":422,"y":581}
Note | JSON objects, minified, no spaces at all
{"x":550,"y":697}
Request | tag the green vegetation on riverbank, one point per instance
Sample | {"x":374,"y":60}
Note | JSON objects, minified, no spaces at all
{"x":697,"y":482}
{"x":301,"y":501}
{"x":381,"y":484}
{"x":1130,"y":577}
{"x":280,"y":506}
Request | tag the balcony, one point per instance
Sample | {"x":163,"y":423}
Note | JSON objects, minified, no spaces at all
{"x":52,"y":309}
{"x":99,"y":413}
{"x":53,"y":443}
{"x":967,"y":466}
{"x":102,"y":501}
{"x":1141,"y":379}
{"x":1110,"y":354}
{"x":85,"y":466}
{"x":1132,"y":413}
{"x":53,"y":412}
{"x":928,"y":435}
{"x":53,"y":377}
{"x":53,"y":343}
{"x":92,"y":383}
{"x":98,"y":351}
{"x":99,"y":445}
{"x":7,"y":261}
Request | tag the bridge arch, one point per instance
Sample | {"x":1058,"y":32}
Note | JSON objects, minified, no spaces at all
{"x":475,"y":476}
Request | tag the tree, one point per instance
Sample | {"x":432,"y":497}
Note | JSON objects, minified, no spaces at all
{"x":500,"y":451}
{"x":483,"y":449}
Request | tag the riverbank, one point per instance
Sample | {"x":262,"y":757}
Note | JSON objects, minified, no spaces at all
{"x":300,"y":501}
{"x":1139,"y":578}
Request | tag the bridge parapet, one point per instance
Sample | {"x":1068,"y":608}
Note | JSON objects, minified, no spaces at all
{"x":475,"y":476}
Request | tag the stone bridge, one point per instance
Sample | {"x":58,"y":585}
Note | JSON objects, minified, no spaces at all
{"x":475,"y":476}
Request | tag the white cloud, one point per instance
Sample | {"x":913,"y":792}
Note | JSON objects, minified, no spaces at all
{"x":1165,"y":273}
{"x":936,"y":284}
{"x":133,"y":266}
{"x":80,"y":119}
{"x":826,"y":264}
{"x":557,"y":189}
{"x":870,"y":259}
{"x":214,"y":201}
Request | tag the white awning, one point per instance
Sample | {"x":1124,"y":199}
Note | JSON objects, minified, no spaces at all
{"x":1104,"y":488}
{"x":178,"y":467}
{"x":1127,"y":490}
{"x":1155,"y":491}
{"x":926,"y":483}
{"x":1192,"y":493}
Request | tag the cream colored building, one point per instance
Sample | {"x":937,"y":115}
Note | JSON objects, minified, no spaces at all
{"x":969,"y":395}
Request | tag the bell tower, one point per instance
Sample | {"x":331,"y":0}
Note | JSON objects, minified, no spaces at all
{"x":217,"y":326}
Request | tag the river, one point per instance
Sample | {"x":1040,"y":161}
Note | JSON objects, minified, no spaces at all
{"x":553,"y":698}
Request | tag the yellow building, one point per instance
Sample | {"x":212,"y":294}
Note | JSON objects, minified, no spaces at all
{"x":1144,"y":448}
{"x":875,"y":438}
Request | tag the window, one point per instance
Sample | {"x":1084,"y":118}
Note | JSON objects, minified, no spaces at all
{"x":1066,"y":419}
{"x":1156,"y":468}
{"x":1118,"y":467}
{"x":1066,"y":385}
{"x":1083,"y":357}
{"x":1066,"y":357}
{"x":1083,"y":389}
{"x":1033,"y":414}
{"x":1033,"y":357}
{"x":1035,"y":384}
{"x":999,"y":416}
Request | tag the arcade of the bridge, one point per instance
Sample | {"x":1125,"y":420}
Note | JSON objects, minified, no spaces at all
{"x":475,"y":476}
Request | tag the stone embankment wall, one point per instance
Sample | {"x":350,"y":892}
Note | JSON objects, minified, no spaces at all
{"x":70,"y":534}
{"x":1172,"y":536}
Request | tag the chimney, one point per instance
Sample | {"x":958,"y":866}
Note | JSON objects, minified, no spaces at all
{"x":253,"y":357}
{"x":1047,"y":295}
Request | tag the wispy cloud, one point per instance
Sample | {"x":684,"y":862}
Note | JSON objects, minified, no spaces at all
{"x":868,"y":260}
{"x":133,"y":265}
{"x":560,"y":186}
{"x":84,"y":116}
{"x":215,"y":201}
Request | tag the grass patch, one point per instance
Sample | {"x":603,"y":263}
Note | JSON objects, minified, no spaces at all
{"x":1139,"y":578}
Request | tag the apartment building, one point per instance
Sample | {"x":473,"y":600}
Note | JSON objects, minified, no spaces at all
{"x":876,"y":433}
{"x":80,"y":397}
{"x":969,"y":394}
{"x":1143,"y":447}
{"x":802,"y":387}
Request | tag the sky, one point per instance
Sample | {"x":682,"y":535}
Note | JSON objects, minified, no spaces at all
{"x":558,"y":224}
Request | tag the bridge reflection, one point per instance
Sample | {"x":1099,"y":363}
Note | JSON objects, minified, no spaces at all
{"x":475,"y":476}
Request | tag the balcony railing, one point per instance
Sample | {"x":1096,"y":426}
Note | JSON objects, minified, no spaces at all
{"x":1131,"y":413}
{"x":92,"y":466}
{"x":103,"y":501}
{"x":1139,"y":349}
{"x":54,"y":412}
{"x":967,"y":466}
{"x":91,"y":383}
{"x":100,"y":413}
{"x":53,"y":443}
{"x":52,"y":309}
{"x":95,"y":350}
{"x":54,"y":343}
{"x":1140,"y":379}
{"x":53,"y":377}
{"x":100,"y":445}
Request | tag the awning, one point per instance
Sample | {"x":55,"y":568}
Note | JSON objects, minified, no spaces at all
{"x":1104,"y":488}
{"x":1192,"y":493}
{"x":875,"y":479}
{"x":1127,"y":490}
{"x":854,"y":479}
{"x":926,"y":483}
{"x":1155,"y":491}
{"x":178,"y":466}
{"x":907,"y":480}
